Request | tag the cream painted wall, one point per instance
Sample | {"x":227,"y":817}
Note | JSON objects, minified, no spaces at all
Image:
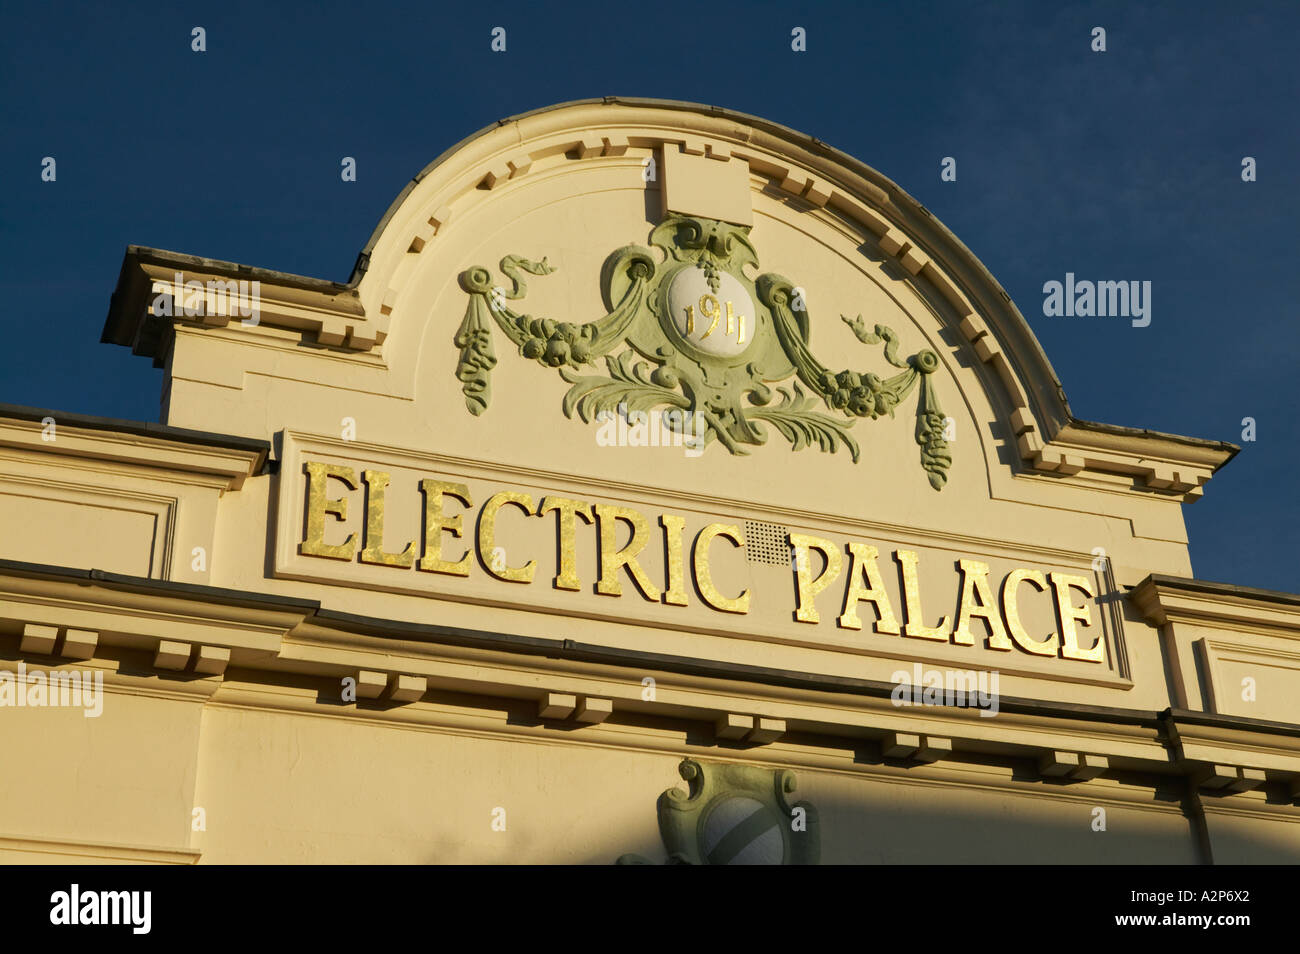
{"x":228,"y":697}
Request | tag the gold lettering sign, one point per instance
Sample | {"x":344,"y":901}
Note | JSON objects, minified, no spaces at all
{"x":818,"y":564}
{"x":704,"y":576}
{"x":376,"y":482}
{"x":1069,"y":614}
{"x":808,"y":586}
{"x":912,"y":602}
{"x":435,"y":522}
{"x":612,"y":559}
{"x":675,"y":591}
{"x":487,"y":537}
{"x":978,"y":600}
{"x":1011,"y":609}
{"x":864,"y":565}
{"x":318,"y":507}
{"x":567,"y":511}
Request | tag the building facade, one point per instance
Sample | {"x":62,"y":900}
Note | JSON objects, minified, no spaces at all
{"x":664,"y":485}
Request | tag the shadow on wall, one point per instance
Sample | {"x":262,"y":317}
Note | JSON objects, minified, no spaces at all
{"x":905,"y":821}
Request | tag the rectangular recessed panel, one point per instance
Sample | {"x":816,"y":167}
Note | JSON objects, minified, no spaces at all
{"x":100,"y":532}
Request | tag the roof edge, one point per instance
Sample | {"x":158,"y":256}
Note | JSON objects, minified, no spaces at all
{"x":164,"y":432}
{"x":121,"y":323}
{"x":1208,"y":452}
{"x":1189,"y":584}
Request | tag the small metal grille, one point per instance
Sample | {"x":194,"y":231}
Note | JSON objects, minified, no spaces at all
{"x":767,"y":543}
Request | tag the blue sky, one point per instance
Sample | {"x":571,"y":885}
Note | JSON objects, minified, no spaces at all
{"x":1117,"y":165}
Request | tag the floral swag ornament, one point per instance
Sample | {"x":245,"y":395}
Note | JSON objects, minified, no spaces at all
{"x":703,"y":339}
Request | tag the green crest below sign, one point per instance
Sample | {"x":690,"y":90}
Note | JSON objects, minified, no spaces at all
{"x":735,"y":815}
{"x":698,"y":341}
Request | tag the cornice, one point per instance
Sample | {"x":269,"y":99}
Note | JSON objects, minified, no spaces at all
{"x":196,"y":635}
{"x":1165,"y":464}
{"x":225,"y":459}
{"x":327,"y":313}
{"x":1165,"y":599}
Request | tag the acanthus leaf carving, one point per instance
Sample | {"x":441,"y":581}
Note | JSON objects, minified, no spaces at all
{"x":666,"y":313}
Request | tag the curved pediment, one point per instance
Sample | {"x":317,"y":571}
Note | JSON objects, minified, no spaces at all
{"x":862,"y":307}
{"x":855,"y":247}
{"x":705,"y":190}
